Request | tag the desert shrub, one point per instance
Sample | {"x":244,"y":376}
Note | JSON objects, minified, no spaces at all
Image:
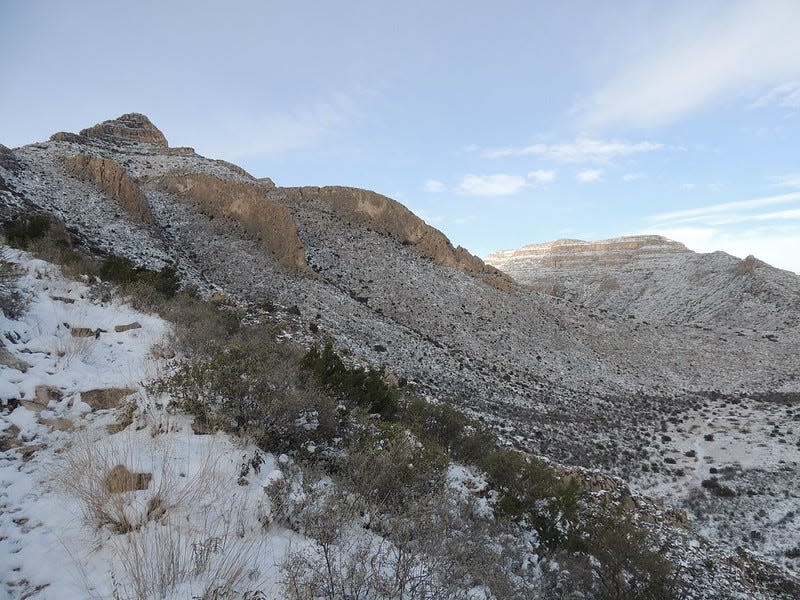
{"x":532,"y":493}
{"x":199,"y":323}
{"x":13,"y":301}
{"x":353,"y":386}
{"x":438,"y":546}
{"x":21,"y":231}
{"x":626,"y":565}
{"x":390,"y":467}
{"x":253,"y":388}
{"x":452,"y":431}
{"x":138,"y":281}
{"x":718,"y":489}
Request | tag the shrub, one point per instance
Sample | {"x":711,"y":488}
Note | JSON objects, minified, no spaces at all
{"x":21,"y":231}
{"x":531,"y":493}
{"x":354,"y":387}
{"x":13,"y":301}
{"x":718,"y":489}
{"x":626,"y":567}
{"x":253,"y":388}
{"x":389,"y":467}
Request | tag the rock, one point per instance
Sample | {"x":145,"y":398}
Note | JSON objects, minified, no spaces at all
{"x":8,"y":160}
{"x":58,"y":423}
{"x":133,"y":126}
{"x":128,"y":327}
{"x":265,"y":220}
{"x":83,"y":332}
{"x":111,"y":179}
{"x":66,"y":136}
{"x":102,"y":399}
{"x":45,"y":393}
{"x":9,"y":439}
{"x":63,"y":299}
{"x":119,"y":479}
{"x":9,"y":360}
{"x":391,"y":218}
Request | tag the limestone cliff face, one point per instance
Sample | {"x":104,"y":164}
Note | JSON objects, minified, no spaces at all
{"x":110,"y":178}
{"x":132,"y":126}
{"x":386,"y":216}
{"x":245,"y":203}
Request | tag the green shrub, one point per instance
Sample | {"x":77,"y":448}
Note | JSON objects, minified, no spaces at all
{"x":252,"y":387}
{"x":354,"y":387}
{"x":21,"y":231}
{"x":452,"y":431}
{"x":120,"y":270}
{"x":532,"y":493}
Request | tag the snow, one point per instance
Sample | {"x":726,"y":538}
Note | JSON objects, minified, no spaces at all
{"x":213,"y":525}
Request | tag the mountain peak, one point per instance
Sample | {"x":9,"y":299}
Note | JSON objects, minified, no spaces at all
{"x":131,"y":126}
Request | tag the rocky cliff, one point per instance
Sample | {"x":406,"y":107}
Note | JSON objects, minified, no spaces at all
{"x":112,"y":180}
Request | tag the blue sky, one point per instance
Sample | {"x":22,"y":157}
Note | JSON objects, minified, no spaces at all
{"x":500,"y":123}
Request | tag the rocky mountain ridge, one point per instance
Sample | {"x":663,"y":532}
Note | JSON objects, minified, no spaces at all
{"x":584,"y":384}
{"x":657,"y":279}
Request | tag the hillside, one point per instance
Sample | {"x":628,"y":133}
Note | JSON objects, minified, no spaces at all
{"x":658,"y":280}
{"x":582,"y":381}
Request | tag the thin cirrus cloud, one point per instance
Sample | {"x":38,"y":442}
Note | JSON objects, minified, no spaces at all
{"x":542,"y":176}
{"x":741,"y":49}
{"x":274,"y":133}
{"x":790,"y":181}
{"x":435,"y":186}
{"x":786,"y":95}
{"x":582,"y":150}
{"x":498,"y":184}
{"x":731,"y":211}
{"x":589,"y":175}
{"x":768,"y":227}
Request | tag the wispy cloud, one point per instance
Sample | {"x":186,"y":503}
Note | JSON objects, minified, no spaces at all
{"x":739,"y":49}
{"x":434,"y":186}
{"x":786,"y":95}
{"x":581,"y":150}
{"x":790,"y":181}
{"x":774,"y":244}
{"x":273,"y":133}
{"x":717,"y":211}
{"x":632,"y":176}
{"x":589,"y":175}
{"x":499,"y":184}
{"x":542,"y":176}
{"x":688,"y":186}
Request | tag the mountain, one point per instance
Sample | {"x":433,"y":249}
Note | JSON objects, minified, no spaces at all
{"x":584,"y":380}
{"x":658,"y":280}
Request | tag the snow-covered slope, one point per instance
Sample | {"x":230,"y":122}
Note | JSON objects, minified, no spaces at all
{"x":192,"y":528}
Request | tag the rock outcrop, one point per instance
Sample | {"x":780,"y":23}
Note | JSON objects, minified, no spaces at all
{"x":269,"y":222}
{"x":386,"y":216}
{"x":132,"y":127}
{"x":110,"y":178}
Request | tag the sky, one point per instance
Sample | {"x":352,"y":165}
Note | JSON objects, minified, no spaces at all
{"x":502,"y":124}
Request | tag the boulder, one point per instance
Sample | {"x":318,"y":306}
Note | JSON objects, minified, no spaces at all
{"x":9,"y":360}
{"x":128,"y":327}
{"x":102,"y":399}
{"x":119,"y":479}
